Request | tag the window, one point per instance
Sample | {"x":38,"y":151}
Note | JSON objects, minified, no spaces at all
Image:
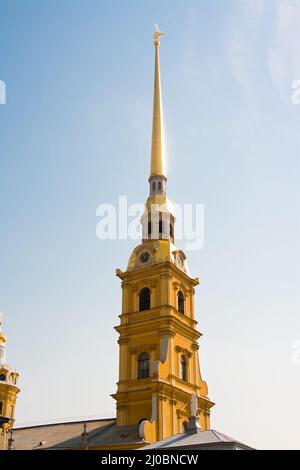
{"x":171,"y":231}
{"x":161,"y":227}
{"x":159,"y":185}
{"x":180,"y":297}
{"x":153,"y":186}
{"x":143,"y":366}
{"x":149,"y":228}
{"x":1,"y":407}
{"x":144,"y":303}
{"x":183,"y":368}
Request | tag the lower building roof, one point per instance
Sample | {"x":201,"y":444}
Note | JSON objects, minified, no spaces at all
{"x":104,"y":433}
{"x":210,"y":439}
{"x":49,"y":435}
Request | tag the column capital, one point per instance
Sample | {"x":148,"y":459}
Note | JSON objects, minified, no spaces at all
{"x":123,"y":340}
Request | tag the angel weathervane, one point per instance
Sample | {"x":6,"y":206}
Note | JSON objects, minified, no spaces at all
{"x":157,"y":33}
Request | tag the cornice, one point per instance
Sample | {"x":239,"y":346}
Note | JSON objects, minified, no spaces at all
{"x":185,"y":351}
{"x":168,"y":324}
{"x":164,"y":268}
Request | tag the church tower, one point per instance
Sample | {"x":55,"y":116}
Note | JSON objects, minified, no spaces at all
{"x":159,"y":370}
{"x":8,"y":392}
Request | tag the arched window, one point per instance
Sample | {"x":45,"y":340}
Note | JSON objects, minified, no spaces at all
{"x":161,"y":226}
{"x":180,"y":298}
{"x":184,"y":426}
{"x":159,"y":186}
{"x":183,"y":368}
{"x":153,"y":186}
{"x":144,"y":299}
{"x":171,"y":231}
{"x":149,"y":228}
{"x":143,"y":366}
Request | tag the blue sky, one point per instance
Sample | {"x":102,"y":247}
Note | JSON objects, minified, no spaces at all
{"x":75,"y":132}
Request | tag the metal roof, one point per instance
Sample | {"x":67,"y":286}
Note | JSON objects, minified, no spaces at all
{"x":199,"y":439}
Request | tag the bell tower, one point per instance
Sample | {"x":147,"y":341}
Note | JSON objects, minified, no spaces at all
{"x":8,"y":392}
{"x":159,"y":369}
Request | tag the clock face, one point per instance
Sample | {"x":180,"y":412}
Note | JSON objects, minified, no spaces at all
{"x":2,"y":377}
{"x":144,"y":257}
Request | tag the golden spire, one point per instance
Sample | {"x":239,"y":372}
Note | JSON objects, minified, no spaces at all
{"x":157,"y":150}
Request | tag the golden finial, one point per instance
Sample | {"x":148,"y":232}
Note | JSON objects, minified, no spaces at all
{"x":157,"y":34}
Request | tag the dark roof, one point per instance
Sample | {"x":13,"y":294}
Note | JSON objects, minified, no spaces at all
{"x":198,"y":440}
{"x":107,"y":435}
{"x":99,"y":432}
{"x":48,"y":435}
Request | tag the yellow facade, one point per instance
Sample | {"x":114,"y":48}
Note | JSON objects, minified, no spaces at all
{"x":8,"y":393}
{"x":167,"y":335}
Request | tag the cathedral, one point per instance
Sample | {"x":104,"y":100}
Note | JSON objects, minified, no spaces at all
{"x":161,"y":398}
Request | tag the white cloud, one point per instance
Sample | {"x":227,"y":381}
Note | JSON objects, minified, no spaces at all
{"x":243,"y":40}
{"x":284,"y":52}
{"x":264,"y":46}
